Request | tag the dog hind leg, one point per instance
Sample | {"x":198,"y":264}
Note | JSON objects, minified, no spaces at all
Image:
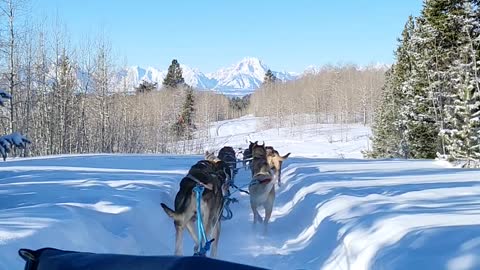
{"x":216,"y":235}
{"x":269,"y":208}
{"x":192,"y":229}
{"x":178,"y":239}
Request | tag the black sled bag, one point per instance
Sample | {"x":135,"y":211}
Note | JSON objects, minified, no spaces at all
{"x":55,"y":259}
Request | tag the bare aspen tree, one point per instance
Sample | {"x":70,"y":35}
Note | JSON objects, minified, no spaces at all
{"x":334,"y":94}
{"x":10,"y":10}
{"x":27,"y":87}
{"x":102,"y":82}
{"x":86,"y":64}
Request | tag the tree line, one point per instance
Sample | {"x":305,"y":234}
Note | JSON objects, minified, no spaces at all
{"x":430,"y":105}
{"x":70,"y":97}
{"x":333,"y":94}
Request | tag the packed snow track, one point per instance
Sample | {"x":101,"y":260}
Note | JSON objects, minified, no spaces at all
{"x":329,"y":213}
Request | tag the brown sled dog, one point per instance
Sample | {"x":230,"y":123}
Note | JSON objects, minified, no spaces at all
{"x":213,"y":176}
{"x":276,"y":161}
{"x":262,"y":186}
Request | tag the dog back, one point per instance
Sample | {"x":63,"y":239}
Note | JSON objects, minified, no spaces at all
{"x":203,"y":171}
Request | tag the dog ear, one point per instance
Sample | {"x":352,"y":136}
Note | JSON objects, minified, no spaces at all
{"x":285,"y":157}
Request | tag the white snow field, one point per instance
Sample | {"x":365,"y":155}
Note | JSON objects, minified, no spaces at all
{"x":330,"y":213}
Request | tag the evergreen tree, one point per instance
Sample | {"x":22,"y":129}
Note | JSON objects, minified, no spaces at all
{"x":462,"y":129}
{"x":442,"y":51}
{"x":184,"y":126}
{"x":438,"y":14}
{"x":436,"y":88}
{"x":420,"y":122}
{"x":386,"y":135}
{"x":240,"y":103}
{"x":389,"y":122}
{"x":174,"y":77}
{"x":145,"y":87}
{"x":269,"y":77}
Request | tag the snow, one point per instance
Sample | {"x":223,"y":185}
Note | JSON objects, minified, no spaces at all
{"x":334,"y":210}
{"x":322,"y":140}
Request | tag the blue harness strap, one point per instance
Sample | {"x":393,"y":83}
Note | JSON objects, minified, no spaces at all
{"x":202,"y":236}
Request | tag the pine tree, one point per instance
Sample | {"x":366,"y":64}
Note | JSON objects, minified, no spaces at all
{"x":386,"y":135}
{"x":184,"y":126}
{"x":462,"y":129}
{"x":421,"y":125}
{"x":438,"y":14}
{"x":174,"y":77}
{"x":389,"y":123}
{"x":436,"y":88}
{"x":145,"y":87}
{"x":442,"y":51}
{"x":269,"y":77}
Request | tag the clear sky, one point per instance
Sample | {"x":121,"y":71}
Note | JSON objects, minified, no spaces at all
{"x":209,"y":34}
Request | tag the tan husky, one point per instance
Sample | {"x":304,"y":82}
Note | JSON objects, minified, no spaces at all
{"x":262,"y":186}
{"x":211,"y":176}
{"x":275,"y":161}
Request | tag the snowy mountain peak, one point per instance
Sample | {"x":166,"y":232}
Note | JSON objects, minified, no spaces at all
{"x":251,"y":66}
{"x":246,"y":75}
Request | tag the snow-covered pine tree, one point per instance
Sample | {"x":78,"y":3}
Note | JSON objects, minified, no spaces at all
{"x":442,"y":52}
{"x":386,"y":136}
{"x":462,"y":128}
{"x":174,"y":77}
{"x":389,"y":123}
{"x":419,"y":109}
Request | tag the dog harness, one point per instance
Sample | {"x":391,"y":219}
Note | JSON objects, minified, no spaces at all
{"x":207,"y":186}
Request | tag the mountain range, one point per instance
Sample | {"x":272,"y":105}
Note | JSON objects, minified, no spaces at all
{"x":236,"y":80}
{"x":239,"y":79}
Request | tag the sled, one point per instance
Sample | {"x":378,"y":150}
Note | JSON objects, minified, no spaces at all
{"x":56,"y":259}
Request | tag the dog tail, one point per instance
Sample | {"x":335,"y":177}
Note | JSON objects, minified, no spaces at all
{"x":286,"y":156}
{"x":170,"y":212}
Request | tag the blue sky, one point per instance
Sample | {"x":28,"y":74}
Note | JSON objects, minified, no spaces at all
{"x":209,"y":34}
